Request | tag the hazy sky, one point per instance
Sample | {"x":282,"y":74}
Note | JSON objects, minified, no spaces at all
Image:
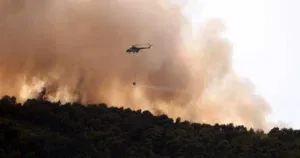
{"x":264,"y":34}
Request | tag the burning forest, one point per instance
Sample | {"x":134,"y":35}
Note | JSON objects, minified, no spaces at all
{"x":69,"y":51}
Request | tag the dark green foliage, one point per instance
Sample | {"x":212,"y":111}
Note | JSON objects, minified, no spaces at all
{"x":44,"y":129}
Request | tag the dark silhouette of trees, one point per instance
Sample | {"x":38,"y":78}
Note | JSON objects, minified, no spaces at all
{"x":39,"y":128}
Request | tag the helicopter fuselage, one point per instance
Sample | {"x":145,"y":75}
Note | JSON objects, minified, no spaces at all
{"x":133,"y":50}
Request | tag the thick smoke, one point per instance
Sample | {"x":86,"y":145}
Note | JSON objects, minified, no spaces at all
{"x":77,"y":50}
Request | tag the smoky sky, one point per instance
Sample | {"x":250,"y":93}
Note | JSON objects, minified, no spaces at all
{"x":78,"y":49}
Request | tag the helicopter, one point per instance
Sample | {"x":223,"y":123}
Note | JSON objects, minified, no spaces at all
{"x":135,"y":49}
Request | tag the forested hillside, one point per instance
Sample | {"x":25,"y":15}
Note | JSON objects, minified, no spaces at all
{"x":44,"y":129}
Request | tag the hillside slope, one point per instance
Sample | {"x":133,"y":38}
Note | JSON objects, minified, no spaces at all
{"x":44,"y":129}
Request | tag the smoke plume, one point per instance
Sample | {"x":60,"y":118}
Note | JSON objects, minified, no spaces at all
{"x":77,"y":50}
